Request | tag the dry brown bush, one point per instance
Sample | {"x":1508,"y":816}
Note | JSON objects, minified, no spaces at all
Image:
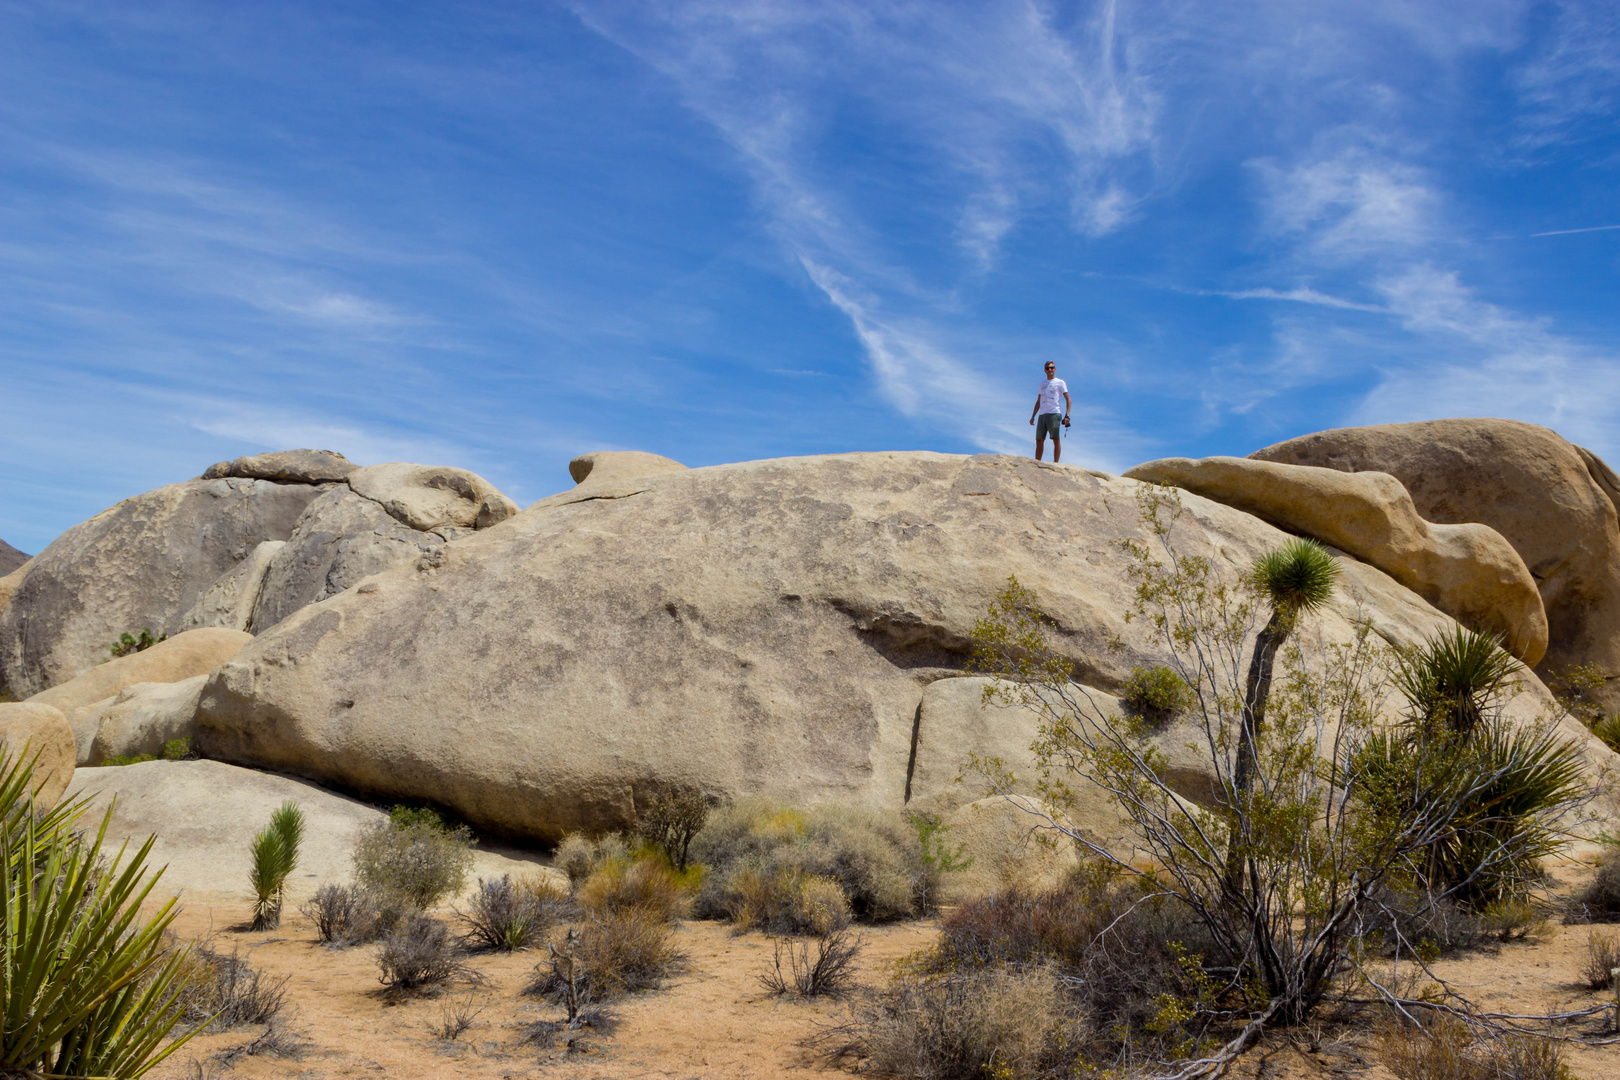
{"x":418,"y":953}
{"x":615,"y":952}
{"x":788,"y":901}
{"x":998,"y":1022}
{"x":1600,"y":900}
{"x":826,"y":971}
{"x":349,"y":915}
{"x":1446,"y":1050}
{"x":225,"y":991}
{"x":1602,"y":958}
{"x":506,"y":915}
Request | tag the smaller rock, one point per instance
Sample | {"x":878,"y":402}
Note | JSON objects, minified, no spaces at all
{"x":287,"y":467}
{"x":11,"y":582}
{"x":142,"y":718}
{"x":205,"y":814}
{"x":620,"y":465}
{"x":229,"y":602}
{"x":428,"y":497}
{"x":45,"y":733}
{"x":195,"y":652}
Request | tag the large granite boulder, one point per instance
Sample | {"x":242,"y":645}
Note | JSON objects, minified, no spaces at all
{"x":1467,"y":570}
{"x":1553,"y":501}
{"x":42,"y":734}
{"x":341,"y":538}
{"x":184,"y":656}
{"x":768,"y":627}
{"x":140,"y":564}
{"x":10,"y":558}
{"x":204,"y":815}
{"x":10,"y":584}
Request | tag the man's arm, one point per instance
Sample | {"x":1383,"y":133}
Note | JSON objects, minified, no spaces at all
{"x":1067,"y":405}
{"x":1036,"y":409}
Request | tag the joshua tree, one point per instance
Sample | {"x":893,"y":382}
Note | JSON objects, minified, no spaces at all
{"x":1295,"y":579}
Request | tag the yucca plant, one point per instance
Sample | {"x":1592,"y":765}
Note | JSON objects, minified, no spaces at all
{"x":275,"y":857}
{"x":1513,"y":784}
{"x":1453,"y":679}
{"x":86,"y":989}
{"x":1296,"y":579}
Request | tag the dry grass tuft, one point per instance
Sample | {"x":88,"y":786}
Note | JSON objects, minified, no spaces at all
{"x":1602,"y":958}
{"x":226,"y":991}
{"x":1446,"y":1050}
{"x":788,"y":901}
{"x":646,"y":883}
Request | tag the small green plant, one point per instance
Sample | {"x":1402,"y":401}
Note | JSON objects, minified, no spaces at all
{"x":274,"y":857}
{"x":405,"y":816}
{"x":118,"y":760}
{"x":670,"y":822}
{"x":128,"y":643}
{"x":1157,"y":693}
{"x":177,"y":749}
{"x":420,"y":863}
{"x":938,"y":858}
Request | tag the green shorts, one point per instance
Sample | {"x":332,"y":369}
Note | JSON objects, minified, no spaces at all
{"x":1049,"y":423}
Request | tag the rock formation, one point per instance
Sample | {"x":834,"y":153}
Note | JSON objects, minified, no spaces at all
{"x":205,"y":813}
{"x":1553,"y":501}
{"x":82,"y":700}
{"x":42,"y":733}
{"x":1468,"y":570}
{"x":770,"y":627}
{"x":202,"y":554}
{"x":10,"y":558}
{"x":139,"y":719}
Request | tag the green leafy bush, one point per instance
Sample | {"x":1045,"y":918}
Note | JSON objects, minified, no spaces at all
{"x":86,"y":987}
{"x":420,"y":863}
{"x":128,"y":643}
{"x":274,"y":858}
{"x":876,"y":858}
{"x":1157,"y":693}
{"x":670,"y":822}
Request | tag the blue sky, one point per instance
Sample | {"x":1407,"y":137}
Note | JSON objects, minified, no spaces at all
{"x":498,"y":235}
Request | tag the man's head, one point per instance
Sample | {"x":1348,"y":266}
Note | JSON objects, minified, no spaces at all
{"x":1051,"y":369}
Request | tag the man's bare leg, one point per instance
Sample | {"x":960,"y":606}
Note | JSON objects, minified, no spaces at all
{"x":1057,"y":450}
{"x":1040,"y":446}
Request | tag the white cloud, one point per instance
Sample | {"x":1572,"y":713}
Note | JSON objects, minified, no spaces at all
{"x":1351,"y":204}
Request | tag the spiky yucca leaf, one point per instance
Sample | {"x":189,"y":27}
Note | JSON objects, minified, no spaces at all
{"x":267,"y":874}
{"x":1453,"y":678}
{"x":85,"y":987}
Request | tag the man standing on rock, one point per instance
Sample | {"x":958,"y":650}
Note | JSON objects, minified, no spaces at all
{"x":1051,"y":416}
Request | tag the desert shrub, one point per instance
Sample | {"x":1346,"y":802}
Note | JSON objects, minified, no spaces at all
{"x":274,"y":857}
{"x":349,"y":915}
{"x":177,"y":749}
{"x":128,"y":643}
{"x":1602,"y":957}
{"x":225,"y":991}
{"x":1446,"y":1050}
{"x":455,"y":1018}
{"x":998,"y":1022}
{"x":615,"y":952}
{"x":576,"y":857}
{"x":646,"y":881}
{"x":827,"y":972}
{"x":409,"y":815}
{"x":419,"y":861}
{"x":1412,"y":919}
{"x":507,"y":915}
{"x":87,"y":986}
{"x":670,"y":822}
{"x":875,"y":857}
{"x":1599,"y":901}
{"x":1157,"y":693}
{"x":418,"y":953}
{"x":1129,"y":957}
{"x":788,"y":901}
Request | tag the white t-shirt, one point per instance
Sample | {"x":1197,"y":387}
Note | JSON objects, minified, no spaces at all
{"x":1052,"y":391}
